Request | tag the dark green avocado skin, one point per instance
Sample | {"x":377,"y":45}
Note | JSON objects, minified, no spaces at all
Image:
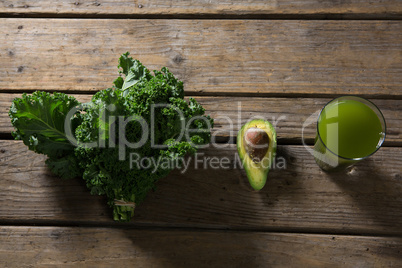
{"x":257,"y":172}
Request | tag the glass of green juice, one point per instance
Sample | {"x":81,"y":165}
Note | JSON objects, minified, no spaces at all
{"x":349,"y":129}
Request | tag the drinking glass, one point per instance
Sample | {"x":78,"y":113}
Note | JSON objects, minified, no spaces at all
{"x":349,"y":129}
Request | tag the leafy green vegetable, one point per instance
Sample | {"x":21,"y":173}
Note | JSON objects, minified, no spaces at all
{"x":39,"y":121}
{"x":106,"y":141}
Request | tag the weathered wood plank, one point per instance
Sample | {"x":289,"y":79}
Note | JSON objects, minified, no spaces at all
{"x":106,"y":247}
{"x":199,"y":7}
{"x":288,"y":115}
{"x":213,"y":192}
{"x":212,"y":57}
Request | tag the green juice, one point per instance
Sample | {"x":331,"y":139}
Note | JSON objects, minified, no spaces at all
{"x":348,"y":130}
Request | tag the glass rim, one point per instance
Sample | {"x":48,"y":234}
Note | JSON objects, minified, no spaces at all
{"x":382,"y":119}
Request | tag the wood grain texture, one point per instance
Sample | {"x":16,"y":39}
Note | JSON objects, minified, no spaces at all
{"x":106,"y":247}
{"x":288,"y":115}
{"x":213,"y":192}
{"x":219,"y":57}
{"x":199,"y":7}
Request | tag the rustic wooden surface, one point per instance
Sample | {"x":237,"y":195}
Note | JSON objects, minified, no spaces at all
{"x":262,"y":57}
{"x":273,"y":59}
{"x":230,"y":113}
{"x":179,"y":8}
{"x":105,"y":247}
{"x":366,"y":199}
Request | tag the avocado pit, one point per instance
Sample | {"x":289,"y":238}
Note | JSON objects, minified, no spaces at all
{"x":256,"y":142}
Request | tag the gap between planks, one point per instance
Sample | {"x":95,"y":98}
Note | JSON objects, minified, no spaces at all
{"x":189,"y":16}
{"x":178,"y":227}
{"x":226,"y":94}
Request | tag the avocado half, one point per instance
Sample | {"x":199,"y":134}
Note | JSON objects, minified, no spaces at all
{"x":256,"y":144}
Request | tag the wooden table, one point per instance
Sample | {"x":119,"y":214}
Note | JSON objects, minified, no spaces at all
{"x":278,"y":59}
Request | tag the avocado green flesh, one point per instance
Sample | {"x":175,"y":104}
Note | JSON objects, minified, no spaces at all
{"x":257,"y":172}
